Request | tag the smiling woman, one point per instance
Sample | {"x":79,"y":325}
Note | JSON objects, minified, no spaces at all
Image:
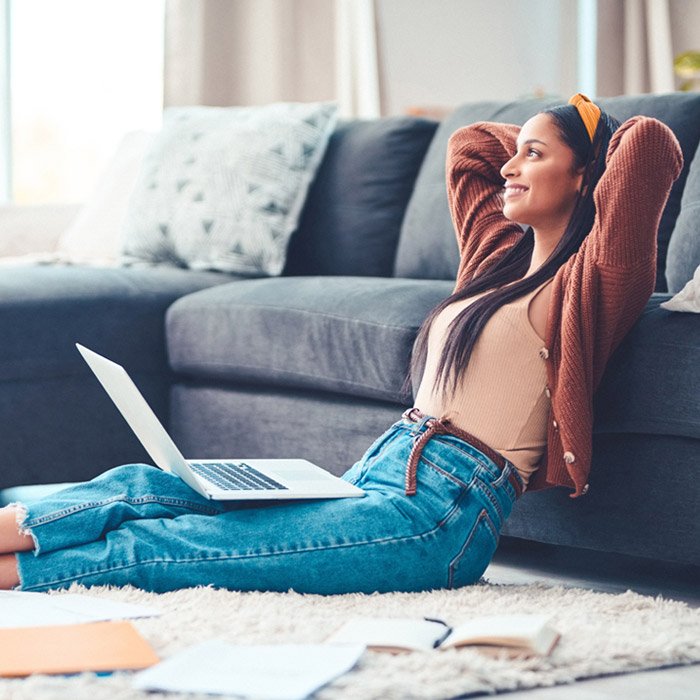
{"x":82,"y":75}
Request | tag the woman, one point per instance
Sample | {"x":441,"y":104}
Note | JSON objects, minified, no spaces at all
{"x":509,"y":362}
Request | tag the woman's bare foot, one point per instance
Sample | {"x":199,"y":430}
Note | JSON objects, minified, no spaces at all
{"x":11,"y":539}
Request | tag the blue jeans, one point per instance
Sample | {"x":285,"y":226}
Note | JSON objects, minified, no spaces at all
{"x":141,"y":526}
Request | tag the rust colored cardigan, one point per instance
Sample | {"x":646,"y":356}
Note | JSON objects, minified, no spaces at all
{"x":602,"y":289}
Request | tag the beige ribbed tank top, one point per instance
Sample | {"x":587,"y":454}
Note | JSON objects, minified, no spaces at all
{"x":502,"y":398}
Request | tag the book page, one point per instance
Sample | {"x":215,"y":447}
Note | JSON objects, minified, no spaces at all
{"x":530,"y":632}
{"x":391,"y":634}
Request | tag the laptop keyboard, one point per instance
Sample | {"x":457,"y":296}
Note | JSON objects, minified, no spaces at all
{"x":236,"y":476}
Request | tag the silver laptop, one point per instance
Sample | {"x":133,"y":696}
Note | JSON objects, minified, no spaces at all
{"x":221,"y":480}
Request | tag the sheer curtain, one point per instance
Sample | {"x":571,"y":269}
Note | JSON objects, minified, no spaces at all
{"x":244,"y":52}
{"x":637,"y":43}
{"x":357,"y":60}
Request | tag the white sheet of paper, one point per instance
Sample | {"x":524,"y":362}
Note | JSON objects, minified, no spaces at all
{"x":272,"y":672}
{"x":28,"y":609}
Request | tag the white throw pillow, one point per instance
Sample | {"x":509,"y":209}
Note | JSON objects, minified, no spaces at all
{"x":688,"y":299}
{"x":222,"y":187}
{"x":94,"y":237}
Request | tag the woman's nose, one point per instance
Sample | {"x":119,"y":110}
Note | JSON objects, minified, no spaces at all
{"x":508,"y":169}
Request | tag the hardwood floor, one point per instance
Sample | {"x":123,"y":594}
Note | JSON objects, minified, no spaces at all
{"x":518,"y":561}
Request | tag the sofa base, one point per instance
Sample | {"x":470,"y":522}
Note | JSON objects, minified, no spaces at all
{"x":67,"y":429}
{"x":644,"y":491}
{"x":332,"y":431}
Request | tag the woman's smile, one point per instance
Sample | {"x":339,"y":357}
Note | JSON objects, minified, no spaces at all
{"x":513,"y":190}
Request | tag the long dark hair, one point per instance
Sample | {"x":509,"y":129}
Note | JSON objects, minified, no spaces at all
{"x":464,"y":330}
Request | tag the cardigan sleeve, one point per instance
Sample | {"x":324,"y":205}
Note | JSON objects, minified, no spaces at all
{"x":643,"y":161}
{"x":475,"y":156}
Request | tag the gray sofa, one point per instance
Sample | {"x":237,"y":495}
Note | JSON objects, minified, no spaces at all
{"x":312,"y":363}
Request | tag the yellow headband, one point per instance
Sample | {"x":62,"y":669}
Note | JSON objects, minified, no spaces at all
{"x":590,"y":113}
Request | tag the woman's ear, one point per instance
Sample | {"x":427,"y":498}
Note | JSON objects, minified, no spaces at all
{"x":584,"y":177}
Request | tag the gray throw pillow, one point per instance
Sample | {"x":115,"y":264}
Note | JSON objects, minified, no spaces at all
{"x":222,"y":188}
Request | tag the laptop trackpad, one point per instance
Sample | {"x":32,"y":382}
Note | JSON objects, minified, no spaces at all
{"x":301,"y":475}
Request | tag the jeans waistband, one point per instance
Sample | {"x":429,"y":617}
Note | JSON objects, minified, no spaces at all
{"x":443,"y":426}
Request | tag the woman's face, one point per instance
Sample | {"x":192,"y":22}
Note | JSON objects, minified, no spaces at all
{"x":542,"y":183}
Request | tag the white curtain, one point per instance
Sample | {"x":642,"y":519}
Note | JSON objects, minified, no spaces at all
{"x":357,"y":65}
{"x":242,"y":52}
{"x":648,"y":47}
{"x":636,"y":46}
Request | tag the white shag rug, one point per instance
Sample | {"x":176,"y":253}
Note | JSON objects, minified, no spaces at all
{"x":601,"y":634}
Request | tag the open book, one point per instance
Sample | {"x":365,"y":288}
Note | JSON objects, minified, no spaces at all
{"x":527,"y":634}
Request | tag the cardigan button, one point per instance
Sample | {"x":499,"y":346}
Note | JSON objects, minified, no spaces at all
{"x":548,"y":392}
{"x":569,"y":457}
{"x":544,"y":353}
{"x":584,"y":490}
{"x":555,"y":425}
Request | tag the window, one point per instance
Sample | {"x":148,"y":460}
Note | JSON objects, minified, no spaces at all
{"x":82,"y":75}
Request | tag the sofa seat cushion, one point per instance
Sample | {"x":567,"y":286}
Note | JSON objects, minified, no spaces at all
{"x":45,"y":310}
{"x":340,"y":334}
{"x":651,"y":384}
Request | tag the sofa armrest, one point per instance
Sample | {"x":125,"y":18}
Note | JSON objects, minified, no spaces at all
{"x":33,"y":229}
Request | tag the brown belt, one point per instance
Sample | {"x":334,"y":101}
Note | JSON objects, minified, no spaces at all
{"x":443,"y":426}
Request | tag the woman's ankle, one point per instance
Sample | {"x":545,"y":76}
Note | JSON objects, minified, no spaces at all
{"x":9,"y":576}
{"x":12,"y":539}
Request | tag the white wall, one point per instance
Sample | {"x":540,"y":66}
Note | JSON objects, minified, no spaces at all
{"x":440,"y":53}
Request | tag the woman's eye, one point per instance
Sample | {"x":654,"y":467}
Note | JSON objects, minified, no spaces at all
{"x":531,"y":152}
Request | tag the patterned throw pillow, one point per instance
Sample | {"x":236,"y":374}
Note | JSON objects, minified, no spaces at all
{"x":222,"y":188}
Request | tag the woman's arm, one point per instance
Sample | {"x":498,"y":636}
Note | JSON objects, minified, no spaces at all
{"x":475,"y":155}
{"x":614,"y":271}
{"x":643,"y":161}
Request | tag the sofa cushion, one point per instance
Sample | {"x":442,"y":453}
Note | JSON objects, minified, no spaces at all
{"x":45,"y":310}
{"x":436,"y":256}
{"x":222,"y":188}
{"x":684,"y":247}
{"x":340,"y":334}
{"x":651,"y":384}
{"x":353,"y":213}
